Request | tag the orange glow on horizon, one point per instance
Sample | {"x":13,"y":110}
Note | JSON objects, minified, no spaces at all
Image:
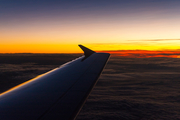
{"x":39,"y":48}
{"x":144,"y":53}
{"x":127,"y":51}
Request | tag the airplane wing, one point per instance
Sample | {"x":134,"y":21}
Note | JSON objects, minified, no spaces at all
{"x":56,"y":95}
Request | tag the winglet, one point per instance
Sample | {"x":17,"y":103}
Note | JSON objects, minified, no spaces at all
{"x":87,"y":51}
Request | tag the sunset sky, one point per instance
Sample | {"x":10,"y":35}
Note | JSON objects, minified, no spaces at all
{"x":58,"y":26}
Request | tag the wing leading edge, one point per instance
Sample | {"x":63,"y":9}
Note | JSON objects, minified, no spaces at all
{"x":58,"y":94}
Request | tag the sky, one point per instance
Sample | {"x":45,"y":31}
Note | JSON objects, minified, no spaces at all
{"x":58,"y":26}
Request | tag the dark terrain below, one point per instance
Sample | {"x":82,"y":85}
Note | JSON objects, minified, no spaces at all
{"x":128,"y":89}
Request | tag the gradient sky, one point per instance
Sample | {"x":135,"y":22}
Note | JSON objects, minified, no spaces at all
{"x":57,"y":26}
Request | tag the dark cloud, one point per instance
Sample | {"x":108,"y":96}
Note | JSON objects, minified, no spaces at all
{"x":18,"y":68}
{"x":135,"y":88}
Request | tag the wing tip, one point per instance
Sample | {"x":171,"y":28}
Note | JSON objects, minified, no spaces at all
{"x":87,"y":52}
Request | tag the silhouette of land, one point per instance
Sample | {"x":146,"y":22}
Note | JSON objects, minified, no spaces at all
{"x":128,"y":89}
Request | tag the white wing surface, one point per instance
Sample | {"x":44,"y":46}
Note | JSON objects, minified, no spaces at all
{"x":56,"y":95}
